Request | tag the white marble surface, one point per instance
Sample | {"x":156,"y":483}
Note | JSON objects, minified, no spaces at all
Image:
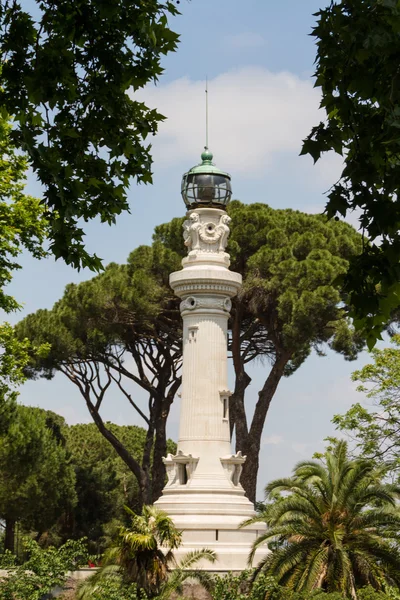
{"x":203,"y":494}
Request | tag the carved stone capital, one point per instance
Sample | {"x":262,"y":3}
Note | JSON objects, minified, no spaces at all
{"x":206,"y":232}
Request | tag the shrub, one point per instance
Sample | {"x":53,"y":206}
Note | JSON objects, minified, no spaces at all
{"x":112,"y":588}
{"x":42,"y":571}
{"x":230,"y":587}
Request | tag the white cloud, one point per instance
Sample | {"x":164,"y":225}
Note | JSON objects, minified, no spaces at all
{"x":256,"y":119}
{"x":244,"y":41}
{"x":272,"y":440}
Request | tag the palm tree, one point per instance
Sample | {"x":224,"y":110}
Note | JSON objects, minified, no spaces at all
{"x":333,"y":526}
{"x":143,"y":555}
{"x":144,"y":550}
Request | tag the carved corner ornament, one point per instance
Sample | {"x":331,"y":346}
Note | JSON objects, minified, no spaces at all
{"x":180,"y":468}
{"x":233,"y":466}
{"x":199,"y":237}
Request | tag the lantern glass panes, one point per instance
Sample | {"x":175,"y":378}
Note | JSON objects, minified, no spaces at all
{"x":206,"y":188}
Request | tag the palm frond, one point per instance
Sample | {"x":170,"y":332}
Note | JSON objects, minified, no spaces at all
{"x":185,"y":571}
{"x":91,"y":584}
{"x":333,"y":525}
{"x":193,"y":557}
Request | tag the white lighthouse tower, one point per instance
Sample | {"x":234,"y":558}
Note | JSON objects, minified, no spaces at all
{"x":203,"y":494}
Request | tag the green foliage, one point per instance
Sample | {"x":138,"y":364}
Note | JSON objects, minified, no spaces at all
{"x":7,"y":559}
{"x":32,"y":459}
{"x":14,"y":357}
{"x":128,"y":311}
{"x":376,"y":430}
{"x":42,"y":571}
{"x":290,"y":262}
{"x":368,"y":593}
{"x":226,"y":587}
{"x":104,"y":483}
{"x":267,"y":588}
{"x":101,"y":483}
{"x":186,"y":569}
{"x":110,"y":584}
{"x":231,"y":587}
{"x":23,"y":226}
{"x":358,"y":51}
{"x":143,"y":550}
{"x":68,"y":79}
{"x":332,"y":525}
{"x":123,"y":304}
{"x":141,"y":557}
{"x":111,"y":588}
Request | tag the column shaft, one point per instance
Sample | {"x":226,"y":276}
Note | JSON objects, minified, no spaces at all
{"x":204,"y":408}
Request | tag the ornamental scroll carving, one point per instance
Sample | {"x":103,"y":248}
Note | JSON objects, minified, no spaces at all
{"x":191,"y":303}
{"x":200,"y":236}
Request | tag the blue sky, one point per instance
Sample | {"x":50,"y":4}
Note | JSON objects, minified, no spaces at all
{"x":258,"y":57}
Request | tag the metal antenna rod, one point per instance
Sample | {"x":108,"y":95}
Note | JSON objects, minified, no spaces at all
{"x":206,"y":112}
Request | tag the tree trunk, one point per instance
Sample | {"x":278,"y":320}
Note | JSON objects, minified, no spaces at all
{"x":160,"y":451}
{"x":237,"y":414}
{"x":147,"y":452}
{"x":9,"y":541}
{"x":160,"y":447}
{"x":250,"y":443}
{"x":141,"y":475}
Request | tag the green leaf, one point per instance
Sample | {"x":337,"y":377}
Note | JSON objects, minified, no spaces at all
{"x":313,"y":148}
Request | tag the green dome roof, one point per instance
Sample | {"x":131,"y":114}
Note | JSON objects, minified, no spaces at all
{"x":206,"y":165}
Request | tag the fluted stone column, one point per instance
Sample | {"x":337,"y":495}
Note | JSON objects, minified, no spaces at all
{"x":203,"y":494}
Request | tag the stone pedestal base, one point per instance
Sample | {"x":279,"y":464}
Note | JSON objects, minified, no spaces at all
{"x":211,"y":520}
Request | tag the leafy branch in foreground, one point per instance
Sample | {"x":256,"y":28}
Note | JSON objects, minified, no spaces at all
{"x":376,"y":429}
{"x":69,"y":75}
{"x":358,"y":54}
{"x":23,"y":226}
